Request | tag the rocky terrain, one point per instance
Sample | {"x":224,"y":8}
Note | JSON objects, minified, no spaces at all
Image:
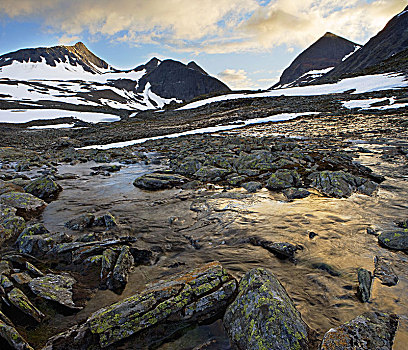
{"x":283,"y":235}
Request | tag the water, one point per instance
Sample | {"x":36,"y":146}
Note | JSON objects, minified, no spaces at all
{"x":164,"y":219}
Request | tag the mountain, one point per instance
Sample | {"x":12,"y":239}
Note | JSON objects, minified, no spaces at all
{"x":390,"y":41}
{"x":73,"y":78}
{"x":319,"y":58}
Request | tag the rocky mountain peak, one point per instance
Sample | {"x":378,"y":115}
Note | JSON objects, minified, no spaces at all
{"x":195,"y":66}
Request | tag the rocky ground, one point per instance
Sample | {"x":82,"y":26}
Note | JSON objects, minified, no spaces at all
{"x":281,"y":230}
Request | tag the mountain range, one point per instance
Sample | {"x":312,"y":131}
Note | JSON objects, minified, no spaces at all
{"x":72,"y":76}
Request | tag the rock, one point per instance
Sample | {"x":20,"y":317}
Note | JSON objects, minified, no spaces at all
{"x":26,"y":204}
{"x":6,"y":187}
{"x":121,"y":270}
{"x":11,"y":335}
{"x":252,"y":186}
{"x":396,"y":240}
{"x":159,"y":181}
{"x":80,"y":223}
{"x":109,"y":257}
{"x":282,"y":250}
{"x":21,"y":302}
{"x":5,"y":282}
{"x":371,"y":330}
{"x":44,"y":188}
{"x":283,"y":178}
{"x":195,"y":296}
{"x":295,"y":193}
{"x":364,"y":284}
{"x":209,"y":173}
{"x":40,"y":245}
{"x":188,"y":167}
{"x":5,"y":267}
{"x":10,"y":224}
{"x":34,"y":271}
{"x":107,"y":168}
{"x":107,"y":220}
{"x":21,"y":278}
{"x":384,"y":272}
{"x":326,"y":267}
{"x":340,"y":184}
{"x":263,"y":316}
{"x":57,"y":288}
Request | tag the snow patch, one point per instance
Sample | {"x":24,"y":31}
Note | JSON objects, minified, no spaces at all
{"x":356,"y":48}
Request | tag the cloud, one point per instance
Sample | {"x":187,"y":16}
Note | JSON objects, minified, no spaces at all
{"x":236,"y":79}
{"x":68,"y":39}
{"x":210,"y":26}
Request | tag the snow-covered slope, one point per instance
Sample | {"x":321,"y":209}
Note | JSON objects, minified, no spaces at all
{"x":362,"y":84}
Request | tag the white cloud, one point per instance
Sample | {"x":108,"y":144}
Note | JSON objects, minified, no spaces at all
{"x":210,"y":26}
{"x":68,"y":39}
{"x":236,"y":79}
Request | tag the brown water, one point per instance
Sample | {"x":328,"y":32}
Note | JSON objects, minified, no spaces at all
{"x":224,"y":221}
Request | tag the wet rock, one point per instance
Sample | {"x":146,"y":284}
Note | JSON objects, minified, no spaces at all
{"x":252,"y":186}
{"x":159,"y":181}
{"x":282,"y":250}
{"x":371,"y":330}
{"x":209,"y":173}
{"x":364,"y":285}
{"x":6,"y":187}
{"x":263,"y":316}
{"x":81,"y":222}
{"x":17,"y":298}
{"x":384,"y":272}
{"x":57,"y":288}
{"x":26,"y":204}
{"x":107,"y":220}
{"x":142,"y":256}
{"x":195,"y":296}
{"x":340,"y":184}
{"x":40,"y":245}
{"x":396,"y":240}
{"x":106,"y":168}
{"x":44,"y":188}
{"x":295,"y":193}
{"x":121,"y":270}
{"x":283,"y":178}
{"x":326,"y":267}
{"x":11,"y":335}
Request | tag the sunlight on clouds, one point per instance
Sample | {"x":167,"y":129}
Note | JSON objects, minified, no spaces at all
{"x":236,"y":79}
{"x":210,"y":26}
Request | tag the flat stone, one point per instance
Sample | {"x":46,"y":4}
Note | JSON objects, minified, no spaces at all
{"x":263,"y":316}
{"x":159,"y":181}
{"x":371,"y":330}
{"x":56,"y":288}
{"x":198,"y":295}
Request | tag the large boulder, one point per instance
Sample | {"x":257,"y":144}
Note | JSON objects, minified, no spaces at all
{"x":27,"y":205}
{"x":264,"y":317}
{"x":159,"y":181}
{"x":10,"y":224}
{"x":283,"y":178}
{"x":340,"y":184}
{"x":44,"y":187}
{"x":371,"y":330}
{"x":396,"y":240}
{"x":198,"y":295}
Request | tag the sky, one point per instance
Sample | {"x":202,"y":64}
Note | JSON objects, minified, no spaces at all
{"x":245,"y":43}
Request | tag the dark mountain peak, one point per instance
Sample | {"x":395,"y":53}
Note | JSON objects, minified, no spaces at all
{"x":154,"y":62}
{"x":195,"y":66}
{"x":81,"y":46}
{"x":325,"y":53}
{"x":391,"y":40}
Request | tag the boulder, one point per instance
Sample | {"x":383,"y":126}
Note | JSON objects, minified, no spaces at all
{"x":57,"y":288}
{"x":283,"y":178}
{"x":295,"y":193}
{"x":107,"y":220}
{"x":396,"y":240}
{"x":263,"y":316}
{"x":26,"y":204}
{"x":282,"y":250}
{"x":44,"y":188}
{"x":210,"y":173}
{"x":384,"y":272}
{"x":340,"y":184}
{"x":17,"y":298}
{"x":365,"y":280}
{"x":6,"y":187}
{"x":159,"y":181}
{"x":41,"y":244}
{"x":121,"y":269}
{"x":10,"y":224}
{"x":198,"y":295}
{"x":252,"y":186}
{"x":371,"y":330}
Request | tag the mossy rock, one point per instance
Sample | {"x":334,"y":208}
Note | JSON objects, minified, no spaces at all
{"x":372,"y":330}
{"x":27,"y":205}
{"x":396,"y":240}
{"x":6,"y":187}
{"x":263,"y":316}
{"x":44,"y":188}
{"x":283,"y":178}
{"x":159,"y":181}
